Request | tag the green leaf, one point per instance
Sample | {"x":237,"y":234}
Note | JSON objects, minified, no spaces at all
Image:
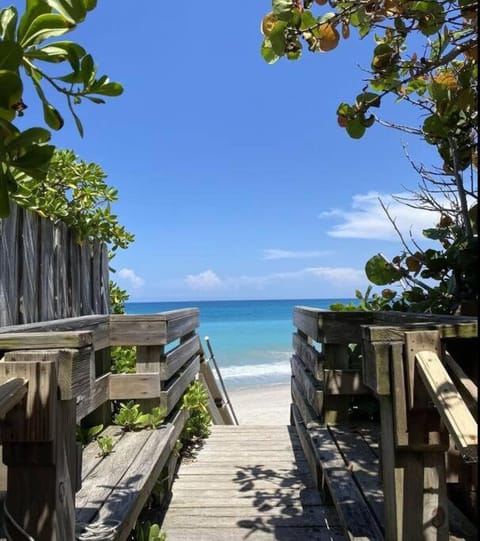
{"x":33,"y":9}
{"x":52,"y":117}
{"x":90,"y":4}
{"x":11,"y":89}
{"x":45,"y":26}
{"x":277,"y":38}
{"x":368,"y":99}
{"x":27,"y":138}
{"x":87,"y":69}
{"x":283,"y":9}
{"x":308,"y":20}
{"x":35,"y":162}
{"x":268,"y":53}
{"x":355,"y":128}
{"x":8,"y":23}
{"x":109,"y":89}
{"x":73,"y":10}
{"x":380,"y":271}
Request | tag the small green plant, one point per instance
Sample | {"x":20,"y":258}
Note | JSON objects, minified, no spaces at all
{"x":123,"y":359}
{"x":156,"y":417}
{"x":105,"y":443}
{"x":86,"y":435}
{"x":130,"y":417}
{"x":146,"y":531}
{"x":195,"y":401}
{"x":178,"y":448}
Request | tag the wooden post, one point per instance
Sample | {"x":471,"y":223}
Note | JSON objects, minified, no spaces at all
{"x":148,"y":360}
{"x":39,"y":449}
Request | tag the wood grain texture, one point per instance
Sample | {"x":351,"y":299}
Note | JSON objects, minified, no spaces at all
{"x":449,"y":404}
{"x":170,"y":396}
{"x":358,"y":521}
{"x":9,"y":275}
{"x":134,"y":386}
{"x":177,"y":357}
{"x":12,"y":392}
{"x":44,"y":340}
{"x":311,"y":357}
{"x":310,"y":388}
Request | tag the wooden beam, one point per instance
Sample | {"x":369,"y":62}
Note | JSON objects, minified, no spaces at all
{"x":311,"y":358}
{"x":134,"y":386}
{"x":177,"y":357}
{"x":11,"y":393}
{"x":170,"y":396}
{"x":448,"y":401}
{"x":45,"y":340}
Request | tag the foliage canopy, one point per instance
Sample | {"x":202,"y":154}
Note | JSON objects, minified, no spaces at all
{"x":30,"y":49}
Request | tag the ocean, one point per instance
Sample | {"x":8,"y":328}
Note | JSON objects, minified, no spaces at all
{"x":251,"y":340}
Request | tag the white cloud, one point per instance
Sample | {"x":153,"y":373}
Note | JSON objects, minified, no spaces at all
{"x":209,"y":280}
{"x":129,"y":276}
{"x":204,"y":280}
{"x":273,"y":253}
{"x":367,"y":219}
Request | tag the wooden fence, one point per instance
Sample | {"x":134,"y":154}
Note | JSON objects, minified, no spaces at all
{"x":46,"y":274}
{"x":54,"y":487}
{"x":418,"y":373}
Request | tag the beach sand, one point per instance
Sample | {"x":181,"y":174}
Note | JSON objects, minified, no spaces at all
{"x":267,"y":405}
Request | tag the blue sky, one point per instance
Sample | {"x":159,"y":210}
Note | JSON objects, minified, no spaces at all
{"x":233,"y":174}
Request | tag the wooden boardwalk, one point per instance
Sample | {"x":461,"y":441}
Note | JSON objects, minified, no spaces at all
{"x":249,"y":483}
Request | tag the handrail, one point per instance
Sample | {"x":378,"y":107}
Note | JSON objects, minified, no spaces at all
{"x":227,"y":401}
{"x":11,"y":393}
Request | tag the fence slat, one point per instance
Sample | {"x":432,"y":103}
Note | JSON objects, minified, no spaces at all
{"x":9,"y":282}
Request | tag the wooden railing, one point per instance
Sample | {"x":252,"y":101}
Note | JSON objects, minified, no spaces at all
{"x":67,"y":366}
{"x":419,"y":373}
{"x":45,"y":273}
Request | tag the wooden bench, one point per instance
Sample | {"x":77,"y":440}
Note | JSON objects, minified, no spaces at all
{"x":54,"y":486}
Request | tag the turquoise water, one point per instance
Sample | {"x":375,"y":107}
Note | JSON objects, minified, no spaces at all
{"x":251,"y":340}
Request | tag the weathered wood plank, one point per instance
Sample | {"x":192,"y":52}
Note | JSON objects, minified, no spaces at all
{"x":30,"y":254}
{"x":9,"y":275}
{"x":97,"y":395}
{"x":307,"y":447}
{"x":448,"y":401}
{"x":36,"y":421}
{"x":136,"y":485}
{"x":358,"y":521}
{"x":183,"y":325}
{"x":364,"y":466}
{"x":133,"y":330}
{"x":211,"y":406}
{"x":259,"y":533}
{"x":170,"y":396}
{"x":47,"y":281}
{"x":12,"y":392}
{"x":306,"y":321}
{"x":74,"y":276}
{"x":45,"y":340}
{"x":460,"y":327}
{"x":466,"y":386}
{"x":105,"y":289}
{"x":62,"y":307}
{"x":310,"y":388}
{"x":96,"y":278}
{"x":177,"y":357}
{"x":311,"y":358}
{"x":85,"y":283}
{"x":376,"y":366}
{"x":308,"y":415}
{"x":134,"y":386}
